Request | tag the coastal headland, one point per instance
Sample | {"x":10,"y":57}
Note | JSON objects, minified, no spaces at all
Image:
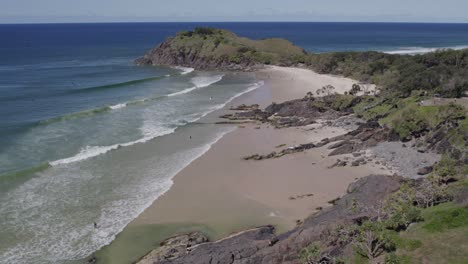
{"x":329,"y":141}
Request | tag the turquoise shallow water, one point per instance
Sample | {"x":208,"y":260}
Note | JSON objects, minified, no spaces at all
{"x":105,"y":167}
{"x":86,"y":136}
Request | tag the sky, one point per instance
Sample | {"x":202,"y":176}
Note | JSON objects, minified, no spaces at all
{"x":56,"y":11}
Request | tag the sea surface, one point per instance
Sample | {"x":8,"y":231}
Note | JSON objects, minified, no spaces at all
{"x":83,"y":131}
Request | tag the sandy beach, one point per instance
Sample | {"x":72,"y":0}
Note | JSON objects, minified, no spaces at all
{"x":227,"y":194}
{"x":217,"y":184}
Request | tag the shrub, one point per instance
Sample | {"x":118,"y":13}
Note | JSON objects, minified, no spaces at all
{"x":313,"y":255}
{"x":204,"y":31}
{"x":401,"y":210}
{"x":373,"y":239}
{"x":445,"y":170}
{"x":355,"y":89}
{"x":392,"y":258}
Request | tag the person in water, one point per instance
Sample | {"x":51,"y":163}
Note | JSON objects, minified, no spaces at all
{"x":95,"y":225}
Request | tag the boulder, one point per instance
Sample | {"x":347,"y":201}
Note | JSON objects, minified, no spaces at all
{"x":425,"y":170}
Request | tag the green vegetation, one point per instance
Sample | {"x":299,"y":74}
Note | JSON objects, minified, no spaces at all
{"x":440,"y":72}
{"x":224,"y":46}
{"x":418,"y":223}
{"x":408,"y":227}
{"x":443,"y":72}
{"x":443,"y":236}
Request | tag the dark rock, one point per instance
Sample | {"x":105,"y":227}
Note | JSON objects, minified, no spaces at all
{"x":174,"y":247}
{"x":262,"y":246}
{"x":339,"y":163}
{"x":421,"y":150}
{"x":346,"y":147}
{"x":244,"y":107}
{"x":334,"y":200}
{"x":425,"y":170}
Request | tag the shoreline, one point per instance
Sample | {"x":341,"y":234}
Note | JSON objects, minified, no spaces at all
{"x":223,"y":194}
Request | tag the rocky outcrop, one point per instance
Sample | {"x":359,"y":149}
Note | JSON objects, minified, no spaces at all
{"x":165,"y":54}
{"x":262,"y":245}
{"x":216,"y":49}
{"x":300,"y":112}
{"x":174,"y":247}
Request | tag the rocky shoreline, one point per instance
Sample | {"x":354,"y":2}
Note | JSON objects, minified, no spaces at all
{"x":263,"y":245}
{"x":368,"y":142}
{"x":391,"y":131}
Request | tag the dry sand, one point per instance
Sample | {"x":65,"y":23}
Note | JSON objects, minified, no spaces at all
{"x":292,"y":83}
{"x":224,"y":192}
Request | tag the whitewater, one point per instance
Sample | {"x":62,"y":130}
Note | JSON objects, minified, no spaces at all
{"x":48,"y":232}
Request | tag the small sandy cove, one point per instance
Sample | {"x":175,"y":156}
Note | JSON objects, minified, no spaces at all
{"x":226,"y":193}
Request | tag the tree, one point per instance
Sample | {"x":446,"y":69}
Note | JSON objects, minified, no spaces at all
{"x":401,"y":210}
{"x":373,"y":239}
{"x":328,"y":89}
{"x":355,"y":89}
{"x":430,"y":193}
{"x":445,"y":170}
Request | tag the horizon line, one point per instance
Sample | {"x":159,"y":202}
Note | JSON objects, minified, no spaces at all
{"x":207,"y":22}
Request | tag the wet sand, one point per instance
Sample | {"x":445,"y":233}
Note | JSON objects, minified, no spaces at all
{"x":224,"y":193}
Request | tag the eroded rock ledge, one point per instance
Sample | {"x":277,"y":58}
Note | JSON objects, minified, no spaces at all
{"x":263,"y":245}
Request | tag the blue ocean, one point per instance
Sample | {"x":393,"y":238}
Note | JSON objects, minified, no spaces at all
{"x":88,"y":137}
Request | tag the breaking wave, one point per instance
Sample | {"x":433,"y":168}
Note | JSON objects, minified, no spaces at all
{"x":422,"y":50}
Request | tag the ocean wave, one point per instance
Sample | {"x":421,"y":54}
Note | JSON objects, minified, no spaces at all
{"x":55,"y":240}
{"x":81,"y":114}
{"x":93,"y":151}
{"x":68,"y":64}
{"x":115,"y":85}
{"x":185,"y":70}
{"x":11,"y":176}
{"x":149,"y":131}
{"x":118,"y":106}
{"x":422,"y":50}
{"x":199,"y":82}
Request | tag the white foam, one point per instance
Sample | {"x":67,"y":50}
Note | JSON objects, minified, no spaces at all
{"x":422,"y":50}
{"x":248,"y":90}
{"x":219,"y":106}
{"x":118,"y":106}
{"x":188,"y":90}
{"x":185,"y":70}
{"x":56,"y":240}
{"x":199,"y":82}
{"x":149,"y":131}
{"x":205,"y":81}
{"x":74,"y":240}
{"x":93,"y":151}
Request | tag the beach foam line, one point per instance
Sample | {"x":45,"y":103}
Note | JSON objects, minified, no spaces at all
{"x":185,"y":70}
{"x":163,"y":185}
{"x":423,"y":50}
{"x":199,"y":82}
{"x":118,"y":106}
{"x":94,"y":151}
{"x":149,"y":134}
